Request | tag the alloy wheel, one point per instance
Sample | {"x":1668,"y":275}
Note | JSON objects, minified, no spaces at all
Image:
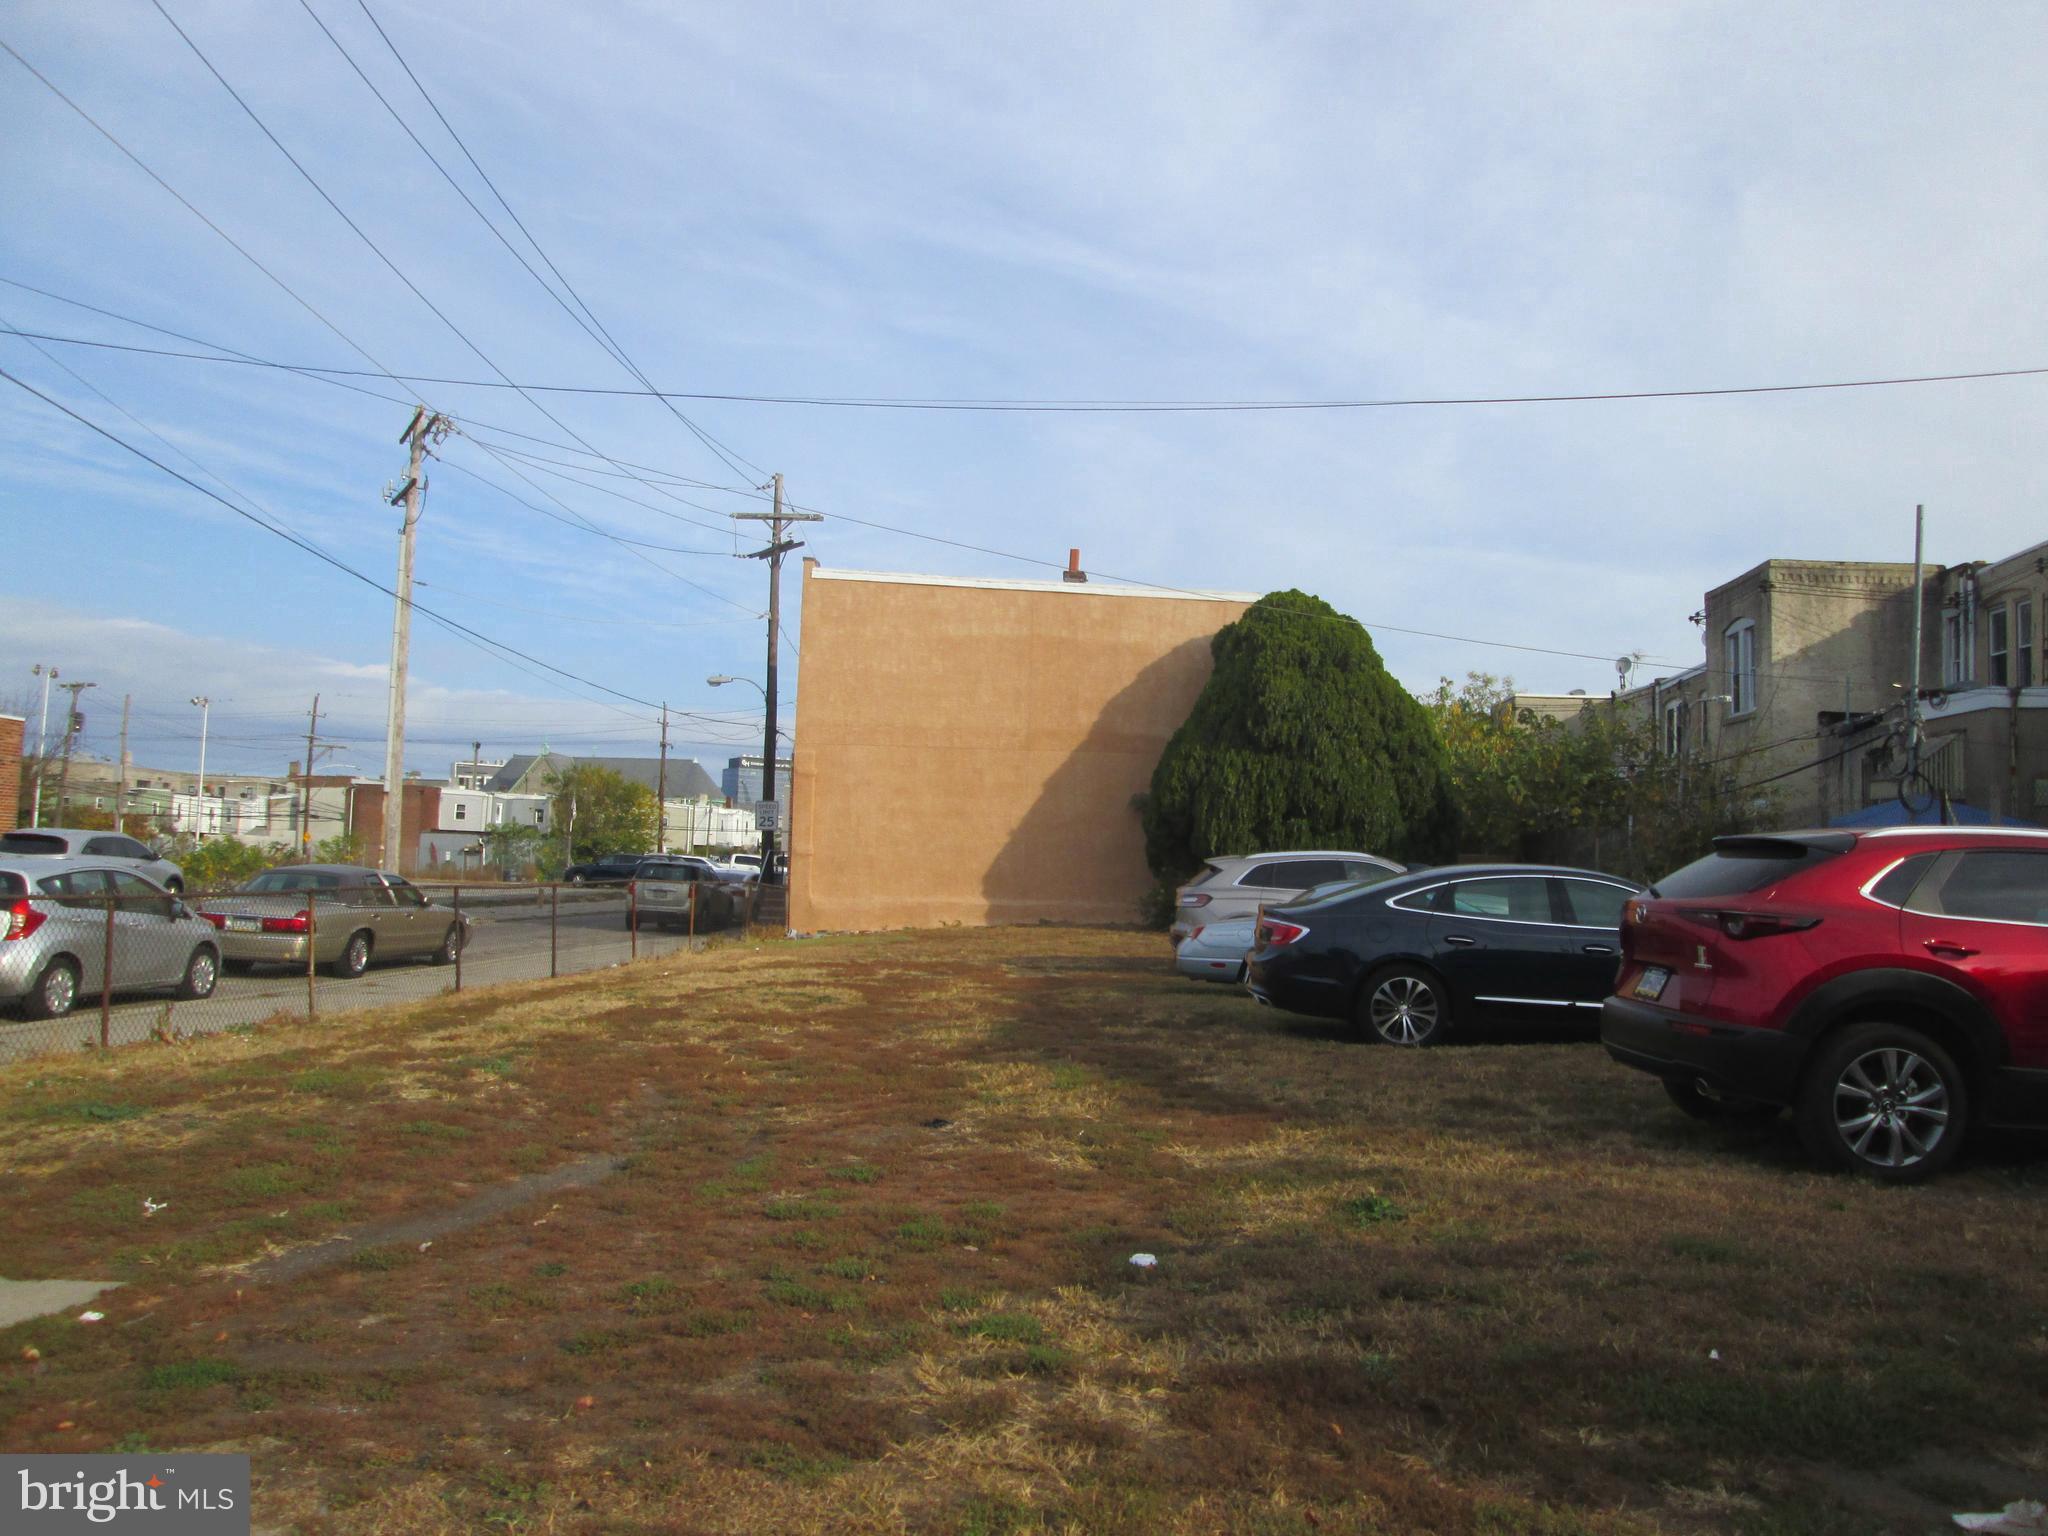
{"x":1404,"y":1010}
{"x":59,"y":990}
{"x":1891,"y":1107}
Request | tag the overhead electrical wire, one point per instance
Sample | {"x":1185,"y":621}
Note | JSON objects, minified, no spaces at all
{"x":361,"y":234}
{"x":1128,"y":407}
{"x":599,"y":334}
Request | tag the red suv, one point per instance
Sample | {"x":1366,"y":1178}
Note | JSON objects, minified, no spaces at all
{"x":1890,"y":986}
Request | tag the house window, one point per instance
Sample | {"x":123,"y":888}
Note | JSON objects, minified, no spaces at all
{"x":1997,"y":634}
{"x":1738,"y":644}
{"x":1674,"y":728}
{"x":461,"y":812}
{"x":2023,"y":643}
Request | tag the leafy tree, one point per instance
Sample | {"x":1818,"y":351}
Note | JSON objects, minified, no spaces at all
{"x":342,"y":848}
{"x":1595,"y":789}
{"x":608,"y":812}
{"x":1300,"y":740}
{"x":513,"y":848}
{"x":220,"y":863}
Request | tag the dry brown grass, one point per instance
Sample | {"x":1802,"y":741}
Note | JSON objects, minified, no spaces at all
{"x":832,"y":1236}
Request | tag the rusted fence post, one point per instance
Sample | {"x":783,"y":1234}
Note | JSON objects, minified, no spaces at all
{"x":312,"y":945}
{"x":460,"y":938}
{"x":633,"y":919}
{"x":554,"y":930}
{"x":107,"y":981}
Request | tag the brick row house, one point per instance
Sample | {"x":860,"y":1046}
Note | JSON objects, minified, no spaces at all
{"x":1808,"y":667}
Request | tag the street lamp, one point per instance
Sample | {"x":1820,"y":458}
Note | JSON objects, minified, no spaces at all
{"x":768,"y":795}
{"x":49,"y":676}
{"x":205,"y":707}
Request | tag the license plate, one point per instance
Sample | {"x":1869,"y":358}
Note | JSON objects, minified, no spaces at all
{"x":1650,"y":985}
{"x":244,"y":925}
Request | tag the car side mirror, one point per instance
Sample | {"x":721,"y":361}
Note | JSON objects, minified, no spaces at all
{"x":179,"y":909}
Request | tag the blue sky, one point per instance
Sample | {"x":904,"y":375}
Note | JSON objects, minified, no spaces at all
{"x":1104,"y":202}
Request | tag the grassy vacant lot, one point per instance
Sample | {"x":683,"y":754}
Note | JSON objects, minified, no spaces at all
{"x":833,"y":1236}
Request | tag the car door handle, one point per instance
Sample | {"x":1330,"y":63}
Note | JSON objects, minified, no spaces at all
{"x":1948,"y":949}
{"x":1458,"y":938}
{"x":1599,"y":949}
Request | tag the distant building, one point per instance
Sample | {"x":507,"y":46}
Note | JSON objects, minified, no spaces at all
{"x":11,"y":727}
{"x":741,"y":780}
{"x":534,"y":774}
{"x":473,"y":774}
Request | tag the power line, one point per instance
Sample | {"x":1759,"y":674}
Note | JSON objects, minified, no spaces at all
{"x":1140,"y":407}
{"x":601,"y":335}
{"x":362,"y":235}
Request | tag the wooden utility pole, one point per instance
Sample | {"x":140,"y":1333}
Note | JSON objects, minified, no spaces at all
{"x":72,"y":721}
{"x":661,"y":787}
{"x":121,"y":781}
{"x":778,"y":546}
{"x":306,"y":786}
{"x":426,"y":428}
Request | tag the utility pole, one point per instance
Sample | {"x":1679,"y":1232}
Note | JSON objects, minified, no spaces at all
{"x":778,"y":546}
{"x":661,"y":787}
{"x":205,"y":706}
{"x":306,"y":788}
{"x":476,"y":768}
{"x":49,"y":676}
{"x":73,"y":722}
{"x":426,"y":428}
{"x":121,"y":783}
{"x":1913,"y":690}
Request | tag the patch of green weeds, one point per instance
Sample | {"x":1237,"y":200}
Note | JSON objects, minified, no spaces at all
{"x":531,"y":1158}
{"x":189,"y":1375}
{"x":1369,"y":1210}
{"x":437,"y":1130}
{"x":90,"y":1111}
{"x":112,"y":1209}
{"x":376,"y":1260}
{"x":791,"y":1466}
{"x":985,"y":1516}
{"x":263,"y":1181}
{"x":1006,"y":1328}
{"x":1069,"y":1078}
{"x":787,"y":1290}
{"x":921,"y":1232}
{"x":657,"y":1293}
{"x":337,"y":1082}
{"x":856,"y":1172}
{"x":710,"y":1325}
{"x":1046,"y":1360}
{"x":552,"y":1270}
{"x":597,"y":1341}
{"x":954,"y":1299}
{"x":799,"y":1208}
{"x":851,"y":1266}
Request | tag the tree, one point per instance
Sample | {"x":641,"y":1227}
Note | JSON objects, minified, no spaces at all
{"x":606,"y":812}
{"x":1300,"y":740}
{"x":1596,"y":789}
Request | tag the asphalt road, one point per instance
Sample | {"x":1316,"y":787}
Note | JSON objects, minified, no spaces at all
{"x":507,"y":943}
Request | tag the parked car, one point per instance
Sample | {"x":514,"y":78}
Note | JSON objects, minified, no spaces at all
{"x":606,"y":869}
{"x":54,"y":912}
{"x":1890,"y":987}
{"x":1412,"y":958}
{"x":1237,"y":886}
{"x":351,"y":916}
{"x":665,"y":888}
{"x":111,"y":848}
{"x":1216,"y":951}
{"x":751,"y":860}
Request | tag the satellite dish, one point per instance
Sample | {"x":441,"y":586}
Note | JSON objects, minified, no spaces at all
{"x":1623,"y":665}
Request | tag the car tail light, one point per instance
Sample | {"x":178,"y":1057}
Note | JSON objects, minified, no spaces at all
{"x":298,"y":922}
{"x":214,"y":918}
{"x":1274,"y":934}
{"x":23,"y":919}
{"x":1763,"y":925}
{"x":1194,"y":898}
{"x":1195,"y":932}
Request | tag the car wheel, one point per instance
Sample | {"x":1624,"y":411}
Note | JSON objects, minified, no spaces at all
{"x":451,"y":945}
{"x":1884,"y":1100}
{"x":575,"y":879}
{"x":1685,"y":1092}
{"x":354,"y":958}
{"x":202,"y":971}
{"x":1405,"y":1006}
{"x":54,"y":992}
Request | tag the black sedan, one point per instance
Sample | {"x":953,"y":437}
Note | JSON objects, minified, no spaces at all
{"x":1412,"y":958}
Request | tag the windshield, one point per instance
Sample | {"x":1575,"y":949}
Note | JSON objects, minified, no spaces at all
{"x":1739,"y":867}
{"x":272,"y":881}
{"x":31,"y":842}
{"x":1336,"y":892}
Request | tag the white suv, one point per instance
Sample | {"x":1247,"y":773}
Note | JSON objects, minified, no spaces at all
{"x":1238,"y":886}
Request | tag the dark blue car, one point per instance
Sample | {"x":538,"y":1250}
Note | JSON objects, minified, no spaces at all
{"x":1412,"y":958}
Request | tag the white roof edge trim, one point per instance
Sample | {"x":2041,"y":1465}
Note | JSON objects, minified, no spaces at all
{"x":1940,"y":831}
{"x":999,"y":584}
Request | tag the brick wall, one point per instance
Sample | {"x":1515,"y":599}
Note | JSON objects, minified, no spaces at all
{"x":10,"y":772}
{"x":421,"y":813}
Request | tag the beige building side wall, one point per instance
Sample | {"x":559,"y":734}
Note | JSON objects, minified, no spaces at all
{"x":968,"y":753}
{"x":1830,"y":636}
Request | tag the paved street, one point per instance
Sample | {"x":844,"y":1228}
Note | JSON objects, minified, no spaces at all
{"x":508,"y":943}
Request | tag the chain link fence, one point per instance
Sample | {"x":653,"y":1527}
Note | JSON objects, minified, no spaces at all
{"x":96,"y":958}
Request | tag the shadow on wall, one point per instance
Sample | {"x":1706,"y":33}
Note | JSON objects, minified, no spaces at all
{"x":1078,"y":854}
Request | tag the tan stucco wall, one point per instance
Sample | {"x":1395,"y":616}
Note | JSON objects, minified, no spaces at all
{"x":968,"y":752}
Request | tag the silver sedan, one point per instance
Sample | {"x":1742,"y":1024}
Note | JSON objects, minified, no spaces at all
{"x":62,"y":917}
{"x":1216,"y":951}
